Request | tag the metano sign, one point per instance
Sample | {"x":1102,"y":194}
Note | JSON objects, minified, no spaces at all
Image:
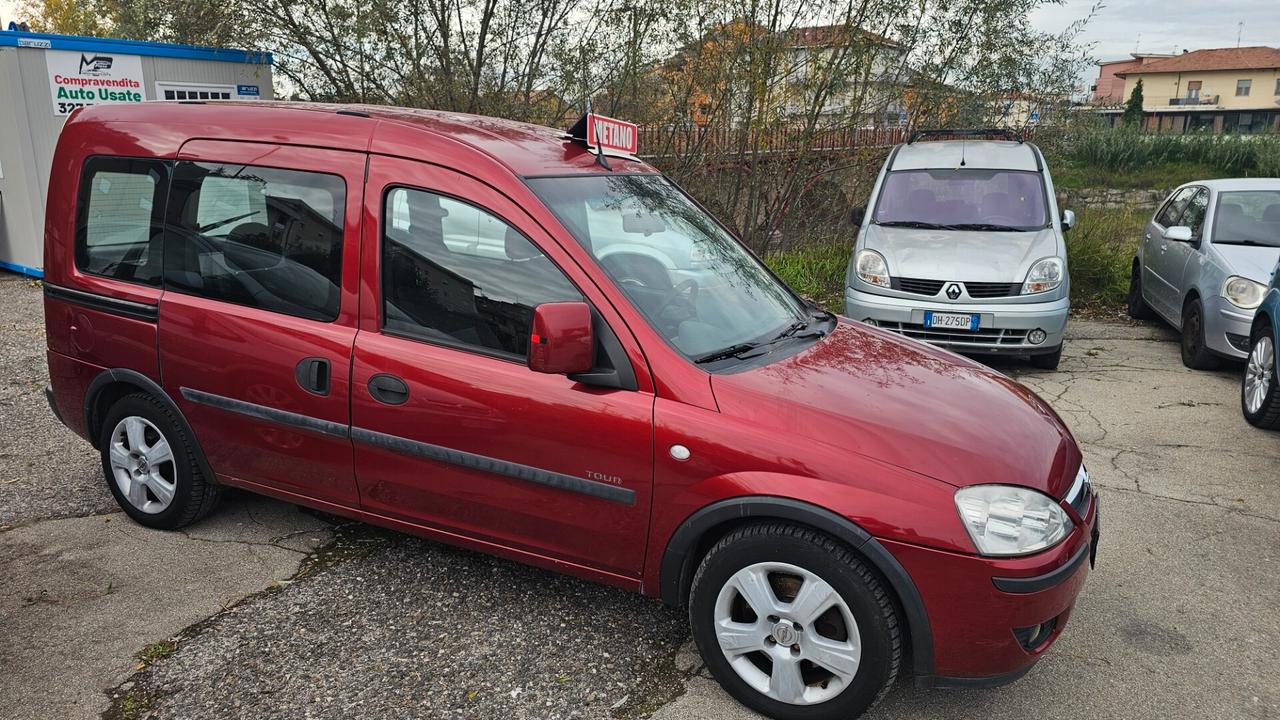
{"x":80,"y":79}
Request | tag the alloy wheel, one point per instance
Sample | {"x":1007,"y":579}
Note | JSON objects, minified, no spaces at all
{"x":142,"y":464}
{"x":1259,"y":373}
{"x":787,"y":633}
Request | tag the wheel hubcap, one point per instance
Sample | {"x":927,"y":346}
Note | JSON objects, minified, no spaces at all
{"x":142,"y":465}
{"x":1258,"y":374}
{"x":787,"y":633}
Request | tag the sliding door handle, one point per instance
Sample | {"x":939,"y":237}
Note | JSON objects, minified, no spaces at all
{"x":313,"y":375}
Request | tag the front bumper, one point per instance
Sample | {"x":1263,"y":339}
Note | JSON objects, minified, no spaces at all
{"x":1227,"y":328}
{"x":1002,"y":327}
{"x":992,"y":618}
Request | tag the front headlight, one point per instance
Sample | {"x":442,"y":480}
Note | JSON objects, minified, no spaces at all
{"x":1011,"y":520}
{"x":872,"y":268}
{"x":1243,"y":292}
{"x":1044,"y":275}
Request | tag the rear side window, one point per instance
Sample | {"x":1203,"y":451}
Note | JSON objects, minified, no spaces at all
{"x":263,"y":237}
{"x":456,"y":275}
{"x":1193,"y":216}
{"x":1172,"y":210}
{"x":119,"y":216}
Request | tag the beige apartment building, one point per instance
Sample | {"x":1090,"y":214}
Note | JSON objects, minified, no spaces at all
{"x":1221,"y":89}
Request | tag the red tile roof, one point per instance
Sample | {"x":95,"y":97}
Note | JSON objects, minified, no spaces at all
{"x":824,"y":35}
{"x":1245,"y":58}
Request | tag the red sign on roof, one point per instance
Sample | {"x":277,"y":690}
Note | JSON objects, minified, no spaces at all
{"x":612,"y":134}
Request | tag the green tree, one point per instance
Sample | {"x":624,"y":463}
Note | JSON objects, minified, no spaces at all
{"x":1133,"y":114}
{"x":66,"y":17}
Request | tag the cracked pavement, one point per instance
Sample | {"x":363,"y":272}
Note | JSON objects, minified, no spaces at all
{"x":271,"y":616}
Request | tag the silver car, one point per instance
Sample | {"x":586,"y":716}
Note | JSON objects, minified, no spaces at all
{"x":963,"y":248}
{"x":1204,"y":262}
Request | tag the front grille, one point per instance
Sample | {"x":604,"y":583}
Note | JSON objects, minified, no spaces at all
{"x":992,"y":290}
{"x":980,"y":290}
{"x":982,"y":337}
{"x":916,"y":285}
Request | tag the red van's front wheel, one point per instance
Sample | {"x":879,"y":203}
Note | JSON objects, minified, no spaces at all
{"x":793,"y":624}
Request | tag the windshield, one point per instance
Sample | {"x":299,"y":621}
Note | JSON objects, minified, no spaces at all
{"x":693,"y":281}
{"x":1249,"y":217}
{"x":963,"y":199}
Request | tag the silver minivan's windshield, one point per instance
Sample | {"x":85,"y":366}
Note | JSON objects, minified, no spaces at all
{"x":1248,"y":217}
{"x":695,"y":284}
{"x":963,"y":199}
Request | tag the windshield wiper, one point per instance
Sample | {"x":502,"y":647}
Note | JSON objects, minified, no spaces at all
{"x":918,"y":224}
{"x":732,"y":351}
{"x":988,"y":227}
{"x":1243,"y":242}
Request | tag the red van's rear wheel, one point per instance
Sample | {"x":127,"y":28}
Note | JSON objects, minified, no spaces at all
{"x":793,"y":624}
{"x":150,"y":466}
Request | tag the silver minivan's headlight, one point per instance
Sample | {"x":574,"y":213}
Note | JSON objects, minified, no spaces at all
{"x":1044,"y":275}
{"x":1011,"y":520}
{"x":872,"y":268}
{"x":1243,"y":292}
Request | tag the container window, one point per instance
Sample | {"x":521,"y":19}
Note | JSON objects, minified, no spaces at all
{"x":118,"y":218}
{"x":456,"y":275}
{"x":262,"y":237}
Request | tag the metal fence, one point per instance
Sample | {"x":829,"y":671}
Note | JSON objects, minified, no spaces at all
{"x":682,"y":141}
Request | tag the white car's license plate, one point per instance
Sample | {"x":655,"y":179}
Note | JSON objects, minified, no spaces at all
{"x":951,"y":321}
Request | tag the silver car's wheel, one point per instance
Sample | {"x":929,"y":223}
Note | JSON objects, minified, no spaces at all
{"x":801,"y":648}
{"x":1259,"y":374}
{"x":142,"y":464}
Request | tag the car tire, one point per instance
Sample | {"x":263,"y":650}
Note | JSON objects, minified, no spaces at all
{"x":817,"y":598}
{"x":150,"y":465}
{"x":1047,"y":361}
{"x":1260,"y":388}
{"x":1195,"y":353}
{"x":1137,"y":306}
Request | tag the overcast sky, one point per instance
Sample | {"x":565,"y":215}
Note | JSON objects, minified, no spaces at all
{"x":1124,"y":26}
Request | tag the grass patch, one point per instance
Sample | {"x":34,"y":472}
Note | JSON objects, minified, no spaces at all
{"x":816,"y":271}
{"x":1100,"y":251}
{"x":1073,"y":174}
{"x":156,"y":651}
{"x":1130,"y":159}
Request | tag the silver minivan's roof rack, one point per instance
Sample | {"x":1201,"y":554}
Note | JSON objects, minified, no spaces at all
{"x":1002,"y":133}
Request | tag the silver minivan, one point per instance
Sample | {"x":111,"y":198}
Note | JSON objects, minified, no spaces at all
{"x":962,"y":247}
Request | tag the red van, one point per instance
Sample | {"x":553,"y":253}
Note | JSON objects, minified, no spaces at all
{"x":491,"y":334}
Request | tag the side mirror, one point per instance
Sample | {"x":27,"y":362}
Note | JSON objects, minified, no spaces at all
{"x":857,"y":215}
{"x":1179,"y":233}
{"x":562,"y":341}
{"x":1068,"y":219}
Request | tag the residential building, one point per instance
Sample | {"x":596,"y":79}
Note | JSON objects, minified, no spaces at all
{"x":1108,"y":90}
{"x":1220,"y":89}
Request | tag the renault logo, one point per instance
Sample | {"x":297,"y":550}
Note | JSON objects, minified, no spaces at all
{"x":953,"y":291}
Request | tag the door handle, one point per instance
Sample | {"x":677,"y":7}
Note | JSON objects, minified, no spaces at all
{"x":313,"y":375}
{"x":388,"y":389}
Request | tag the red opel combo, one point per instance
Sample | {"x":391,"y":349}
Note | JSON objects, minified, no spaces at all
{"x":530,"y":343}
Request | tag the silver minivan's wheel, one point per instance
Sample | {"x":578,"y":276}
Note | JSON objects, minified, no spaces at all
{"x":150,"y":464}
{"x":794,"y":624}
{"x":1260,"y":389}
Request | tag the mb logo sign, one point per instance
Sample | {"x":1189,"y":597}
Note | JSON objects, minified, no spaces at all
{"x":95,"y":65}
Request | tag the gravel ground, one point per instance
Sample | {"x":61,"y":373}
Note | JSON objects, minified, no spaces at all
{"x":46,"y":471}
{"x":389,"y":626}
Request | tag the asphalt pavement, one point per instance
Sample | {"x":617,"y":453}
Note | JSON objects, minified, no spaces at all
{"x":266,"y":611}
